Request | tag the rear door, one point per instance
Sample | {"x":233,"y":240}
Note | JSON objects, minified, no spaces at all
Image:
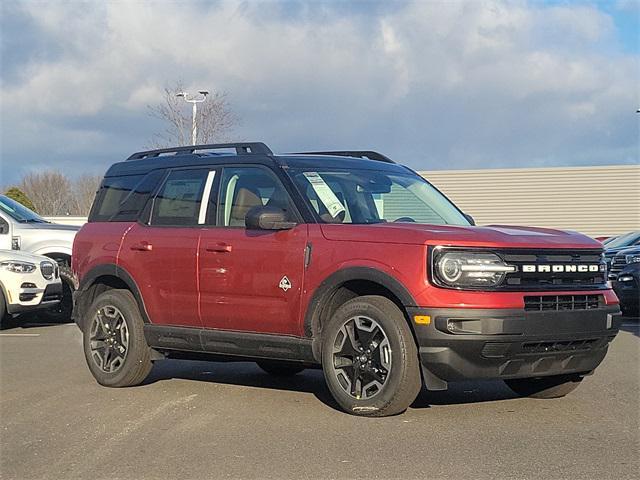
{"x":251,"y":280}
{"x":163,"y":254}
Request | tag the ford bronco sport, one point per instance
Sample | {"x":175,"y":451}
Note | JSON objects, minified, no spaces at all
{"x":344,"y":260}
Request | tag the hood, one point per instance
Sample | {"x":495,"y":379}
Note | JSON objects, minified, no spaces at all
{"x":612,"y":252}
{"x":22,"y":257}
{"x":50,"y":226}
{"x":494,"y":236}
{"x":629,"y":250}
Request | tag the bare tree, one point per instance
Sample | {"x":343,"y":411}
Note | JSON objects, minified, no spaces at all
{"x":215,"y":119}
{"x":84,"y":189}
{"x":50,"y":191}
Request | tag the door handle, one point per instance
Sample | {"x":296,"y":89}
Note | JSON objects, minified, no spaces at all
{"x":142,"y":247}
{"x":219,"y":247}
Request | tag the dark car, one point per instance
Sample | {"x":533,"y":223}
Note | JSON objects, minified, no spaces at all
{"x":343,"y":260}
{"x":625,"y":278}
{"x":621,"y":242}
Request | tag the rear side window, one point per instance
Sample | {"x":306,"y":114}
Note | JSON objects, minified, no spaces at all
{"x":178,"y":201}
{"x":120,"y":199}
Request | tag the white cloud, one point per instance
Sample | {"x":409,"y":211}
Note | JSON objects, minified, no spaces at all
{"x":479,"y":83}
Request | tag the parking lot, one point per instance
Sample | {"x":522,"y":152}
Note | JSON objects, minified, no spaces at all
{"x":204,"y":420}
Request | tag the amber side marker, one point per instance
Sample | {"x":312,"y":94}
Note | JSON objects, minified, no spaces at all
{"x":422,"y":319}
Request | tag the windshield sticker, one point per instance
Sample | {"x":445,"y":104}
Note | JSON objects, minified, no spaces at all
{"x":325,"y":194}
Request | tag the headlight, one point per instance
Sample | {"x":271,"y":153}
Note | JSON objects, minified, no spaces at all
{"x":469,"y":269}
{"x":18,"y":267}
{"x":634,"y":258}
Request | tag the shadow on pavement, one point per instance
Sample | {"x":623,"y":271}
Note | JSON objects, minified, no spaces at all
{"x":28,"y":320}
{"x":631,"y":325}
{"x":312,"y":381}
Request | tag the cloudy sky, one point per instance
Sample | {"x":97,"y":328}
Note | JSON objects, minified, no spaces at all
{"x":436,"y":85}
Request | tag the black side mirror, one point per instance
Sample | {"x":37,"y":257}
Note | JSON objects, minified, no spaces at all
{"x":469,"y":218}
{"x":268,"y":218}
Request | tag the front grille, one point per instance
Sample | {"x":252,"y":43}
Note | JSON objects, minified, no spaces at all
{"x":541,"y":303}
{"x":554,"y":260}
{"x":617,"y":265}
{"x":565,"y":346}
{"x":47,"y":269}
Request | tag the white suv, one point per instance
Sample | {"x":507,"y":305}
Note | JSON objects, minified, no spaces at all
{"x":27,"y":282}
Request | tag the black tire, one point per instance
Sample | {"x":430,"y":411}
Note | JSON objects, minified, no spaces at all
{"x":555,"y":386}
{"x":394,"y":376}
{"x":4,"y":316}
{"x":280,"y":369}
{"x":61,"y":313}
{"x":136,"y":365}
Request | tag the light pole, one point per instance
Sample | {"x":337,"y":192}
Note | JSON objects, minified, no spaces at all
{"x":194,"y":99}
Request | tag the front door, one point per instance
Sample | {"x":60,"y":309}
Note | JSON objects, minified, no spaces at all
{"x":251,"y":280}
{"x":163,"y":255}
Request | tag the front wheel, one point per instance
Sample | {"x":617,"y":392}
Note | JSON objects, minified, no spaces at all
{"x":114,"y":345}
{"x":370,"y":359}
{"x":555,"y":386}
{"x":4,"y":316}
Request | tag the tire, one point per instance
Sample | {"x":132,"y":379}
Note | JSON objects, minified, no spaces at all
{"x":116,"y":307}
{"x":4,"y":316}
{"x":387,"y":377}
{"x":555,"y":386}
{"x":61,"y":313}
{"x":280,"y":369}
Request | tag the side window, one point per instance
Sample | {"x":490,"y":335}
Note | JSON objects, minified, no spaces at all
{"x":178,"y":201}
{"x":4,"y":226}
{"x":243,"y":188}
{"x":112,"y":193}
{"x":133,"y":203}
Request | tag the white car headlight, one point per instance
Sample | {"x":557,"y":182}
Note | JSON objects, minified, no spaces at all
{"x":18,"y":267}
{"x":634,"y":258}
{"x":458,"y":269}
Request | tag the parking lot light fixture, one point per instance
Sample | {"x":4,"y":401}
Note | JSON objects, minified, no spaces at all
{"x":194,"y":99}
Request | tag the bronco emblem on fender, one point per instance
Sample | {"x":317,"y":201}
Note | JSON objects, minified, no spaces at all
{"x":285,"y":284}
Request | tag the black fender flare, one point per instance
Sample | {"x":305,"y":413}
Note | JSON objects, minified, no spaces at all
{"x":331,"y":284}
{"x":109,"y":270}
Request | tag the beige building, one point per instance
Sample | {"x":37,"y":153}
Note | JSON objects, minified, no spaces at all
{"x":593,"y":200}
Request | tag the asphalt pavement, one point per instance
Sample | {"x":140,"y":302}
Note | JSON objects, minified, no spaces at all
{"x":199,"y":420}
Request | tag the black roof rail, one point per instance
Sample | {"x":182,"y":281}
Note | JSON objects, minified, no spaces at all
{"x":241,"y":149}
{"x":371,"y":155}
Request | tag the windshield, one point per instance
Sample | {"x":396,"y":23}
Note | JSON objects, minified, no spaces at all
{"x":19,"y":212}
{"x":371,"y":196}
{"x":627,"y":239}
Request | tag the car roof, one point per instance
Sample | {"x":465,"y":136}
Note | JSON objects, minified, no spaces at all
{"x":305,"y":161}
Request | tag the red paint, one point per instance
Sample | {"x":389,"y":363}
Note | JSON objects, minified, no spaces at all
{"x":227,"y":278}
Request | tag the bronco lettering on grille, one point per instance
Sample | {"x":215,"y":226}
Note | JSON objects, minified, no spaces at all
{"x":563,"y":268}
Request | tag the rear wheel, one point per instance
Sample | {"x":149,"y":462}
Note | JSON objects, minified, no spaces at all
{"x":370,"y":359}
{"x":555,"y":386}
{"x":280,"y":369}
{"x":114,"y":345}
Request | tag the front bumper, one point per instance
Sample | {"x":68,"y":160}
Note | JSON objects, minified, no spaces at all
{"x":29,"y":299}
{"x":628,"y":291}
{"x":462,"y":344}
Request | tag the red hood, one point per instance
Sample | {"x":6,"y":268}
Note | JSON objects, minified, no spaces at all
{"x":488,"y":236}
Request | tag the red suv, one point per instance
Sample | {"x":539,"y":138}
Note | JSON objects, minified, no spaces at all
{"x":344,"y":260}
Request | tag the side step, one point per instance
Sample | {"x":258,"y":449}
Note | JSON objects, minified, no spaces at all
{"x":224,"y":342}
